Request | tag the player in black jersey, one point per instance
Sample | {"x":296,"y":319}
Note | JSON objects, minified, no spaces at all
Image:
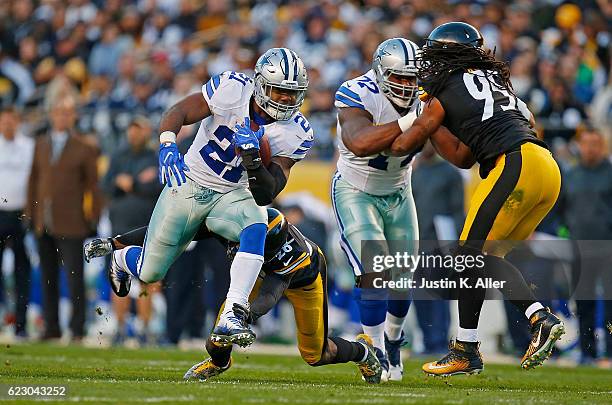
{"x":294,"y":267}
{"x":471,"y":115}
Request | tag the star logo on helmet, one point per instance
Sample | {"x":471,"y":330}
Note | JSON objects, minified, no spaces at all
{"x":384,"y":52}
{"x":266,"y":60}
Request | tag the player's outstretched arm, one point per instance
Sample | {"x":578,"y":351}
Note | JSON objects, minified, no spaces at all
{"x":186,"y":111}
{"x":189,"y":110}
{"x":272,"y":289}
{"x":361,"y":136}
{"x":422,"y":128}
{"x":452,"y":149}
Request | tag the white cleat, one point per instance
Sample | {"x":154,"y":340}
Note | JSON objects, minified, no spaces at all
{"x":396,"y":373}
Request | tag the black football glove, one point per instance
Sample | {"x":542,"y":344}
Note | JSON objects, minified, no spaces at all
{"x":243,"y":312}
{"x":251,"y":159}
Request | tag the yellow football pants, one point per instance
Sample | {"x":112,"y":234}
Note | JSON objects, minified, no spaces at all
{"x":310,"y":311}
{"x":514,"y":198}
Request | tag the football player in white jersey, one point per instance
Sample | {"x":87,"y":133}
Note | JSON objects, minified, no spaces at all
{"x":222,"y":181}
{"x":371,"y":191}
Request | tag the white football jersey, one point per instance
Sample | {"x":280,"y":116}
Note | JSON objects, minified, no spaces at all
{"x":212,"y":158}
{"x":377,"y":174}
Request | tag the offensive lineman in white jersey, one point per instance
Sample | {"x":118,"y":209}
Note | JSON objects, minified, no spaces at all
{"x":226,"y":190}
{"x":371,"y":191}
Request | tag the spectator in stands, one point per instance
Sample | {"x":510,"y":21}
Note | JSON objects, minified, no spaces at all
{"x":587,"y":207}
{"x":562,"y":114}
{"x":16,"y":84}
{"x":64,"y":206}
{"x":16,"y":153}
{"x":132,"y":187}
{"x":105,"y":54}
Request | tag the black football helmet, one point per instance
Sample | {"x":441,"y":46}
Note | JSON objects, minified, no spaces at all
{"x":278,"y":228}
{"x":455,"y":32}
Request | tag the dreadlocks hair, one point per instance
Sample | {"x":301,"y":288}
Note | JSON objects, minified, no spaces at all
{"x":437,"y":63}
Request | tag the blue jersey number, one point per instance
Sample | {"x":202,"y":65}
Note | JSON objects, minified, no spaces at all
{"x":300,"y":119}
{"x":368,"y":84}
{"x":381,"y":162}
{"x":240,"y":77}
{"x":224,"y":156}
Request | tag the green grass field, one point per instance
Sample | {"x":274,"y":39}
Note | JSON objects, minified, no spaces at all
{"x":155,"y":375}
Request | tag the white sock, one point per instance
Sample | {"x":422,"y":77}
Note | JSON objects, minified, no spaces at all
{"x":243,"y":275}
{"x":119,"y":256}
{"x":394,"y":326}
{"x":467,"y":335}
{"x":532,"y":309}
{"x":377,"y":333}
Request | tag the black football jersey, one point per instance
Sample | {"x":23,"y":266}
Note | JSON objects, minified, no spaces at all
{"x":484,"y":115}
{"x":298,"y":256}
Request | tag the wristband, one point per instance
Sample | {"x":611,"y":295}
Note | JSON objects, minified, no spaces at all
{"x":167,"y":136}
{"x":405,"y":123}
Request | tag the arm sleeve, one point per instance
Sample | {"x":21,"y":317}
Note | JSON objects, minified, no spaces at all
{"x":271,"y":290}
{"x":266,"y":184}
{"x":135,"y":237}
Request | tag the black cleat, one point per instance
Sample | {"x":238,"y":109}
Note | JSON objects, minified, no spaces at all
{"x":119,"y":279}
{"x":384,"y":364}
{"x":546,"y":329}
{"x":370,"y":368}
{"x":462,"y":358}
{"x":396,"y":368}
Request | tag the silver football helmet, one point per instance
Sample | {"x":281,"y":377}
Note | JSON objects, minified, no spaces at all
{"x":396,"y":56}
{"x":280,"y":68}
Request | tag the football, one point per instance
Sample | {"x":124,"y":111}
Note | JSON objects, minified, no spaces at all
{"x":264,"y":151}
{"x":264,"y":146}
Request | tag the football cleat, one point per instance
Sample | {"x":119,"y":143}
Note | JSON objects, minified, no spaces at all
{"x":232,"y":328}
{"x":370,"y":367}
{"x":97,"y":248}
{"x":205,"y":370}
{"x":384,"y":363}
{"x":396,"y":368}
{"x":546,"y":329}
{"x":118,"y":278}
{"x":462,"y":358}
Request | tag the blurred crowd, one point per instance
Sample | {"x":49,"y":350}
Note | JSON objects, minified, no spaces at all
{"x":89,"y":79}
{"x":121,"y":58}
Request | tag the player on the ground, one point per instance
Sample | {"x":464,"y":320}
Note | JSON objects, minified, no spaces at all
{"x":371,"y":190}
{"x":226,"y":185}
{"x":295,"y":267}
{"x":469,"y":92}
